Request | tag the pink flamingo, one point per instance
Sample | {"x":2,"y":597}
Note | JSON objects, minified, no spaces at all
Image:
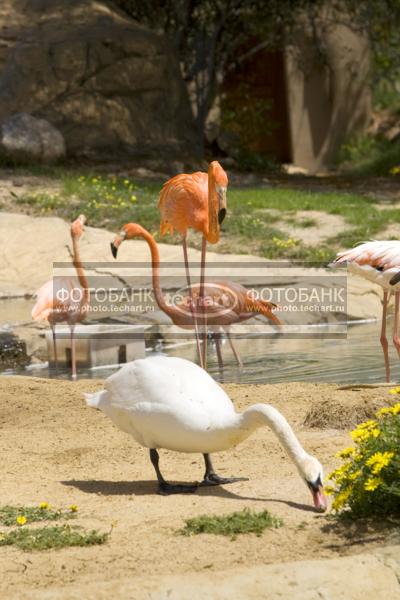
{"x":379,"y":262}
{"x":51,"y":305}
{"x":227,"y":302}
{"x":195,"y":201}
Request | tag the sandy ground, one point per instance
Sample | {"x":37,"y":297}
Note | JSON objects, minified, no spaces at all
{"x":55,"y":449}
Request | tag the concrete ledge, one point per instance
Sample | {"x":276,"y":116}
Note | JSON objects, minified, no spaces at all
{"x":361,"y":577}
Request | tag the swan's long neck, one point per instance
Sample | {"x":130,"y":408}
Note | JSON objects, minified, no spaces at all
{"x":261,"y":415}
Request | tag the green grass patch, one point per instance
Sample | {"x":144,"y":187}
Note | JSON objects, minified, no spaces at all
{"x":252,"y":224}
{"x":232,"y":525}
{"x":10,"y":515}
{"x":45,"y":538}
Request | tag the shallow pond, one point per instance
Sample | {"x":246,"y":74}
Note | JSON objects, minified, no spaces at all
{"x":355,"y":359}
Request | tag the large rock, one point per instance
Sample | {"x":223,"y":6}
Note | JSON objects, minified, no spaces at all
{"x":12,"y":352}
{"x":112,"y":87}
{"x":25,"y":138}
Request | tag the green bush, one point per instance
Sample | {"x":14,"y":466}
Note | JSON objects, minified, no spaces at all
{"x":368,"y":155}
{"x":368,"y":481}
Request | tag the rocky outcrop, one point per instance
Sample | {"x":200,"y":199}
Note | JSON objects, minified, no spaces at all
{"x":112,"y":87}
{"x":24,"y":138}
{"x":12,"y":352}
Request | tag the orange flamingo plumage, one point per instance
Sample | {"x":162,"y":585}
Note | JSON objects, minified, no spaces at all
{"x":54,"y":307}
{"x":195,"y":201}
{"x":227,"y":302}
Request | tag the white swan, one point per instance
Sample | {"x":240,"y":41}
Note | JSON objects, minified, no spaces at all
{"x":171,"y":403}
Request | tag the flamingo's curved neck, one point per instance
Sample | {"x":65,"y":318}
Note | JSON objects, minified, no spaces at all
{"x":213,"y":225}
{"x":155,"y":265}
{"x":79,"y":270}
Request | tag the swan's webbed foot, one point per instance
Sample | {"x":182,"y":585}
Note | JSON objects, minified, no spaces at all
{"x":166,"y":489}
{"x":211,"y":478}
{"x":214,"y":479}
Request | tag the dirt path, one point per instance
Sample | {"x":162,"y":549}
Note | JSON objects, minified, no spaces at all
{"x":55,"y":449}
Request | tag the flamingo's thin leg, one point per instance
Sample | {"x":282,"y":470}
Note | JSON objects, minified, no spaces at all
{"x":234,"y":349}
{"x":73,"y":352}
{"x":383,"y":338}
{"x":192,"y":307}
{"x":396,"y":339}
{"x":217,"y":339}
{"x":202,"y":300}
{"x":53,"y":331}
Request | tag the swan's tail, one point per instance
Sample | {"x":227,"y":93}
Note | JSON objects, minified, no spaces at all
{"x":94,"y":400}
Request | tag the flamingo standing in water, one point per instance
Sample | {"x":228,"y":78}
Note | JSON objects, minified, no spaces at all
{"x":379,"y":262}
{"x":195,"y":201}
{"x":51,"y":305}
{"x":227,"y":302}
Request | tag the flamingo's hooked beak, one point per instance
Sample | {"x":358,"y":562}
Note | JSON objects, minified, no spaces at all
{"x":221,"y":204}
{"x":395,"y":279}
{"x":114,"y":249}
{"x":319,"y":498}
{"x":117,"y":241}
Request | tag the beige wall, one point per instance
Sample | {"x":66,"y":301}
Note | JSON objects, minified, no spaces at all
{"x":327,"y":99}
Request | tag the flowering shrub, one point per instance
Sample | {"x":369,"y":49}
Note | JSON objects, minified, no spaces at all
{"x":368,"y":482}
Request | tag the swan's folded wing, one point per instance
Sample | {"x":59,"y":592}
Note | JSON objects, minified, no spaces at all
{"x":174,"y":384}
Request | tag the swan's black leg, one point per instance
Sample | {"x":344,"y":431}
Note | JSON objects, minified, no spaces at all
{"x":211,"y":478}
{"x":164,"y":487}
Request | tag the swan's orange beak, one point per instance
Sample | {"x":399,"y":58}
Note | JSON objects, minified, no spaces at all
{"x":318,"y":494}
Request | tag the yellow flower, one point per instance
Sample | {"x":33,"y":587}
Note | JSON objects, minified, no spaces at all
{"x":43,"y":505}
{"x":73,"y":508}
{"x":366,"y":425}
{"x":341,"y":499}
{"x":379,"y":461}
{"x":355,"y":475}
{"x":363,"y":434}
{"x":21,"y":520}
{"x":394,"y":170}
{"x":374,"y":433}
{"x":384,"y":411}
{"x":346,"y":453}
{"x":329,"y":490}
{"x":395,"y":391}
{"x":359,"y":435}
{"x":340,"y":472}
{"x":372,"y":483}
